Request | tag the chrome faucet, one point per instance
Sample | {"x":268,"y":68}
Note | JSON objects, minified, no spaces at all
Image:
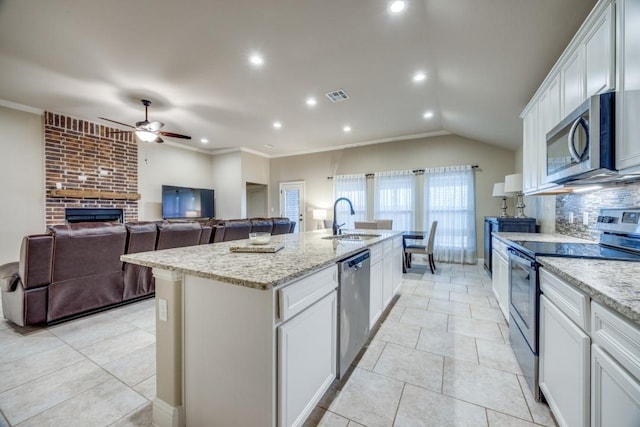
{"x":335,"y":225}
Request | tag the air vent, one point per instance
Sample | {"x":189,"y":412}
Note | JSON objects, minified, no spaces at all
{"x":337,"y":95}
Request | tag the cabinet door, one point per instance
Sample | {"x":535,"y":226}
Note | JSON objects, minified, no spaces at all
{"x":375,"y":294}
{"x":387,"y":280}
{"x":548,"y":116}
{"x":615,"y":395}
{"x":530,"y":151}
{"x":564,"y":366}
{"x":396,"y":274}
{"x":500,"y":282}
{"x":628,"y":84}
{"x":599,"y":59}
{"x":572,"y":75}
{"x":307,"y":360}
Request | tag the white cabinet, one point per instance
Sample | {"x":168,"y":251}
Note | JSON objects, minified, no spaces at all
{"x":500,"y":277}
{"x":598,"y":52}
{"x":396,"y":264}
{"x":628,"y":85}
{"x":375,"y":294}
{"x":387,"y":280}
{"x":572,"y":81}
{"x":615,"y":365}
{"x":307,"y":361}
{"x":564,"y":366}
{"x":530,"y":147}
{"x":549,"y":115}
{"x":615,"y":394}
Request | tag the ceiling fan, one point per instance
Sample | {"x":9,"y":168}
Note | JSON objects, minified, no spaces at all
{"x":145,"y":130}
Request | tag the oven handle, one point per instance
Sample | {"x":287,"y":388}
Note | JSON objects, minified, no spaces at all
{"x":521,"y":259}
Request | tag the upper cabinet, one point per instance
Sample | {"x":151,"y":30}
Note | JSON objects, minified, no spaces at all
{"x":586,"y":68}
{"x":628,"y":83}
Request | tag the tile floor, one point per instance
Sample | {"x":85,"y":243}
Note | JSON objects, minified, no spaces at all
{"x":440,"y":358}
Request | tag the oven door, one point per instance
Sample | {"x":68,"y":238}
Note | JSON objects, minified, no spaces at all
{"x":523,"y":296}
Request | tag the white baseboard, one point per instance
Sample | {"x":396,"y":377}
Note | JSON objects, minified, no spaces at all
{"x":165,"y":415}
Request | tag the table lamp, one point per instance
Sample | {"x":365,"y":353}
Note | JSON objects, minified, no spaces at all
{"x":498,"y":191}
{"x":320,"y":215}
{"x":513,"y":184}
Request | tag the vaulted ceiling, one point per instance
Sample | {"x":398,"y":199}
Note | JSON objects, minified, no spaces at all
{"x":483,"y":60}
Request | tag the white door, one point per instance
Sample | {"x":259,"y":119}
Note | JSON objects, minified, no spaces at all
{"x":292,"y":203}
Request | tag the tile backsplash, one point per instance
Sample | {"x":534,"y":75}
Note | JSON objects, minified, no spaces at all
{"x":622,"y":196}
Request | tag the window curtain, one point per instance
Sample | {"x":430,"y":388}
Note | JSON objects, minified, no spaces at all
{"x":449,"y":198}
{"x":354,"y":188}
{"x":394,"y":198}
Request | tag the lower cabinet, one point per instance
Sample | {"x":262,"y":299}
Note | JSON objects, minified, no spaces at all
{"x":615,"y":398}
{"x":387,"y":280}
{"x":396,"y":274}
{"x":500,"y":277}
{"x":564,"y":366}
{"x":375,"y":294}
{"x":307,"y":362}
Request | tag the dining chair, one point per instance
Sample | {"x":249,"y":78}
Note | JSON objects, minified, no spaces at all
{"x":365,"y":225}
{"x":384,"y":224}
{"x":422,"y":249}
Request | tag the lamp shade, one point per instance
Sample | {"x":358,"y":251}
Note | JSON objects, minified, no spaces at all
{"x":498,"y":190}
{"x":513,"y":183}
{"x":319,"y":214}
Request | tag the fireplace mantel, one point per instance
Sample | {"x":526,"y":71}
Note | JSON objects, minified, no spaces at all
{"x":93,"y":194}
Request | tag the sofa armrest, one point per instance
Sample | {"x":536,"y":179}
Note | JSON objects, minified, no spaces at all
{"x":9,"y":276}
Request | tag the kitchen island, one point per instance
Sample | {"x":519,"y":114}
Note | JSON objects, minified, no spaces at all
{"x":251,"y":338}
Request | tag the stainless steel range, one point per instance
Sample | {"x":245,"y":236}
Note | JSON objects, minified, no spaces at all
{"x":620,"y":240}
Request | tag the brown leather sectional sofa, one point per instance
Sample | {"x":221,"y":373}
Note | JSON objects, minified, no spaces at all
{"x":76,"y":269}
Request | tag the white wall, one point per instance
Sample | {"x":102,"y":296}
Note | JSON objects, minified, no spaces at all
{"x":494,"y":162}
{"x":22,"y":177}
{"x":160,"y":164}
{"x":228,"y":184}
{"x":256,"y":170}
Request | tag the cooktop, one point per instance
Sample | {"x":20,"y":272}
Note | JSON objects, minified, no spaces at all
{"x":575,"y":250}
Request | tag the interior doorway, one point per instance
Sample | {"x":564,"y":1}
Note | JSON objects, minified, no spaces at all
{"x":292,"y":203}
{"x":257,"y":200}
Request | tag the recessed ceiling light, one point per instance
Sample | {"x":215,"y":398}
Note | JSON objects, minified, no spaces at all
{"x":277,"y":125}
{"x":311,"y":101}
{"x":419,"y":76}
{"x":347,"y":129}
{"x":256,"y":59}
{"x":268,"y":145}
{"x":397,"y":6}
{"x":428,"y":114}
{"x":204,"y":140}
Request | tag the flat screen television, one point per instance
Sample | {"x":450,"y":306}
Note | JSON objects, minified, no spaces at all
{"x":184,"y":202}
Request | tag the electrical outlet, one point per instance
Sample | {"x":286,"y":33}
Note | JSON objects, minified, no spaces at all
{"x":163,"y":314}
{"x":570,"y":217}
{"x":585,"y":218}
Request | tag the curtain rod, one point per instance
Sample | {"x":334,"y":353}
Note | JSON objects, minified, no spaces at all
{"x":416,"y":171}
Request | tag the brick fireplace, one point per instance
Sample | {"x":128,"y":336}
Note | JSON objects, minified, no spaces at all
{"x":85,"y":168}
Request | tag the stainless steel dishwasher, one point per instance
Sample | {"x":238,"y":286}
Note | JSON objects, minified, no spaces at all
{"x":353,"y":306}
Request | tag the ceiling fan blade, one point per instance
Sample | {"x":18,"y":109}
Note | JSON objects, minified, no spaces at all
{"x":159,"y":140}
{"x":154,"y":126}
{"x":174,"y":135}
{"x":113,"y":121}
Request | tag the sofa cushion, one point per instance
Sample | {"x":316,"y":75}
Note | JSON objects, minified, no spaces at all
{"x":178,"y":234}
{"x":36,"y":259}
{"x":141,"y":236}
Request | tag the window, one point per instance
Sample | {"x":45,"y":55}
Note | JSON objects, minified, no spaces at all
{"x":354,"y":188}
{"x":449,"y":199}
{"x":394,"y":198}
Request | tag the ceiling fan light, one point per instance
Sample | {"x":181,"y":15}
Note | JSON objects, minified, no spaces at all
{"x":146,"y":136}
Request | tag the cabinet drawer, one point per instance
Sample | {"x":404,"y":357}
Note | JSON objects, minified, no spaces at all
{"x":376,"y":253}
{"x":500,"y":247}
{"x":387,"y":247}
{"x":397,"y":243}
{"x":572,"y":302}
{"x":301,"y":294}
{"x":619,"y":337}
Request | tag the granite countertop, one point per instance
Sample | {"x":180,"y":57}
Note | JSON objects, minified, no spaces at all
{"x":302,"y":254}
{"x":616,"y":284}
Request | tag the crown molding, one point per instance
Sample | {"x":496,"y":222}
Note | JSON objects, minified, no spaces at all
{"x":21,"y":107}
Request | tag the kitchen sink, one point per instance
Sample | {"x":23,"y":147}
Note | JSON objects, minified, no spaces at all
{"x":352,"y":236}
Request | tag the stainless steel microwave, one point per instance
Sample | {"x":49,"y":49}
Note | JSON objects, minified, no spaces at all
{"x":582,"y":146}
